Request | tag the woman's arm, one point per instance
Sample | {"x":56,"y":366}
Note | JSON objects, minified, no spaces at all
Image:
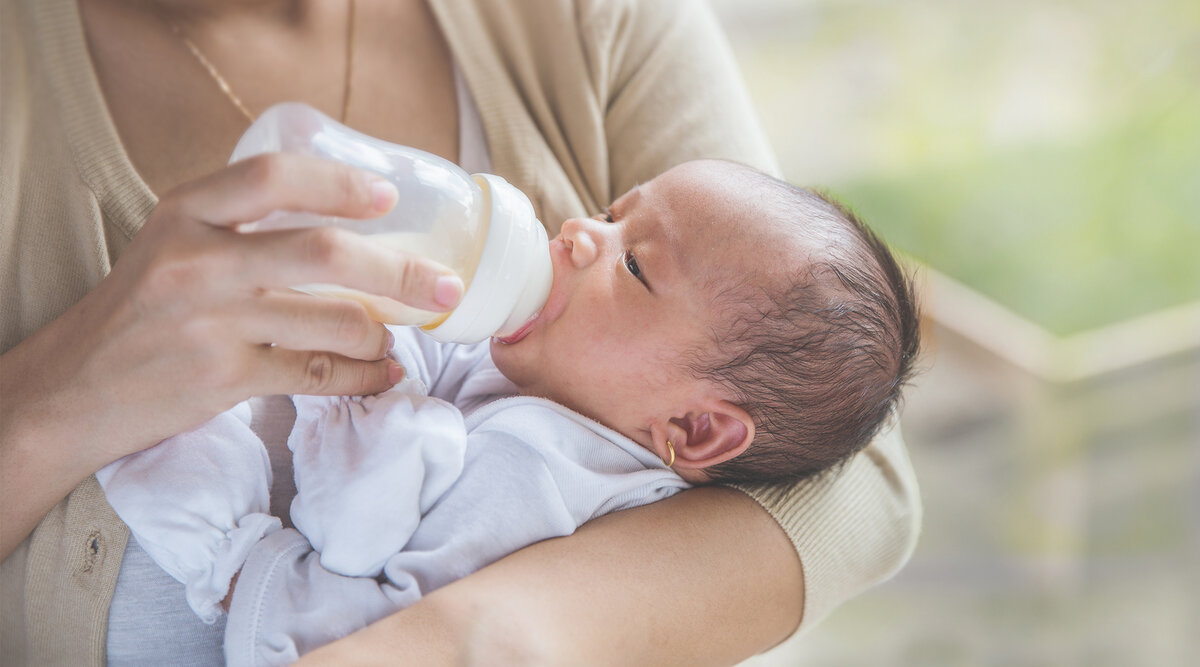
{"x":704,"y":577}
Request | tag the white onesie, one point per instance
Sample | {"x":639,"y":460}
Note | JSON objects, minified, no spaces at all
{"x":397,"y":494}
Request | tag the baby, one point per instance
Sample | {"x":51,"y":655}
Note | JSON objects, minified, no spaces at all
{"x":713,"y":325}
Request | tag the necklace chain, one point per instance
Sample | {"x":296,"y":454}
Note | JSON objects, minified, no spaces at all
{"x":227,"y":90}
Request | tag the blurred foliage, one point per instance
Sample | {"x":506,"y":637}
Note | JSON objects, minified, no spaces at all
{"x":1046,"y":154}
{"x":1072,"y":236}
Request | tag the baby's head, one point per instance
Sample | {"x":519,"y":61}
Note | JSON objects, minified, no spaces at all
{"x":758,"y":328}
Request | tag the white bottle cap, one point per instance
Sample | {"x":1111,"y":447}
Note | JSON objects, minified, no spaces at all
{"x":514,"y":275}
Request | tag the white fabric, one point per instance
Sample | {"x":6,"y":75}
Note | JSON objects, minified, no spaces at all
{"x":398,"y":484}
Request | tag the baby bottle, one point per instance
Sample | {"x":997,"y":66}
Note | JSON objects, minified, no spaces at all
{"x":478,"y":225}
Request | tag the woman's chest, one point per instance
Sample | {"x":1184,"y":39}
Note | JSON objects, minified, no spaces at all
{"x":173,"y":90}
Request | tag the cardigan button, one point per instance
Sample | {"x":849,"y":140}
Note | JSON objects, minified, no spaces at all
{"x":93,"y":549}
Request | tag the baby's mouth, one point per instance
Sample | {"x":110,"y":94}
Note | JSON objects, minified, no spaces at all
{"x":520,"y":333}
{"x":555,"y":303}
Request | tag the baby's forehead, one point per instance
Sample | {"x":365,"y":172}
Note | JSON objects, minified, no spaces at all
{"x":720,"y":177}
{"x":747,"y":229}
{"x":730,"y":196}
{"x":743,"y":236}
{"x":726,"y":225}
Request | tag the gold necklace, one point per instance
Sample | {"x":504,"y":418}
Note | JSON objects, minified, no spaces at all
{"x":237,"y":101}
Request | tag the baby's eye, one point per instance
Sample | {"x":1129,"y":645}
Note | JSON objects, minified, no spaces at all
{"x":606,"y":216}
{"x":631,"y":264}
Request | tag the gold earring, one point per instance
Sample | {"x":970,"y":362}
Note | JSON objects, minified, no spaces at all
{"x":670,"y":448}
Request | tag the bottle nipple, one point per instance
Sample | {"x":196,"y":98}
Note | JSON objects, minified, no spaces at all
{"x":513,"y":278}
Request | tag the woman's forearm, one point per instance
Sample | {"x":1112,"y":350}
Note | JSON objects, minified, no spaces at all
{"x":39,"y":432}
{"x":705,"y":577}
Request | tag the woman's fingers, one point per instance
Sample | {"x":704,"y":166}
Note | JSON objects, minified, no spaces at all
{"x":249,"y":190}
{"x":188,"y":271}
{"x":304,"y":322}
{"x":286,"y":371}
{"x":330,"y":255}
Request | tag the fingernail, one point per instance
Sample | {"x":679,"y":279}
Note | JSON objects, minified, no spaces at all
{"x":395,"y":373}
{"x":391,"y":341}
{"x":448,"y":291}
{"x":383,"y":195}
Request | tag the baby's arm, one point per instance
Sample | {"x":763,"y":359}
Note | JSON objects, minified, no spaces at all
{"x":197,"y":503}
{"x":367,"y":469}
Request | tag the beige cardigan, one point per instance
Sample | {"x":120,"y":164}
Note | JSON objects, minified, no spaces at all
{"x":580,"y":101}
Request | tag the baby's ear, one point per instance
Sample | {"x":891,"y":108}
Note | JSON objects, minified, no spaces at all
{"x":712,"y":434}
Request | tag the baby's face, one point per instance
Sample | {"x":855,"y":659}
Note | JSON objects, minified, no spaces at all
{"x":632,"y":299}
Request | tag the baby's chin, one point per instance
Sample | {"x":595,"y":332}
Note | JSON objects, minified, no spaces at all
{"x":508,"y":361}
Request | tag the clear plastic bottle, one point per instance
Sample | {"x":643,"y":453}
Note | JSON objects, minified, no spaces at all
{"x":478,"y":225}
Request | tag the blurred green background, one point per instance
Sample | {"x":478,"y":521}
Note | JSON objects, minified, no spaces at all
{"x":1045,"y":156}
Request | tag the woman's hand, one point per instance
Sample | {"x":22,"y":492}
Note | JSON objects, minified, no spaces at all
{"x":196,"y":317}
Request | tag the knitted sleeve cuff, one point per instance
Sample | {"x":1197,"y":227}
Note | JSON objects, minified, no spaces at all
{"x":853,"y":527}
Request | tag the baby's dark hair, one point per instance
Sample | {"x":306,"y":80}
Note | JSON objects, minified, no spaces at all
{"x":819,"y":361}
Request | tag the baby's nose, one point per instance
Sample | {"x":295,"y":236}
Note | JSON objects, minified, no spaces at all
{"x":580,"y":240}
